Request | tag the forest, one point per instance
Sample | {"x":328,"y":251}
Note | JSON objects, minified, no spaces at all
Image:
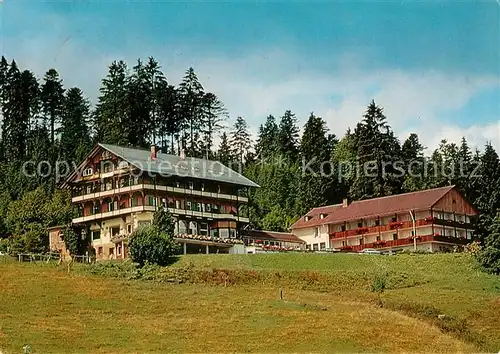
{"x":42,"y":120}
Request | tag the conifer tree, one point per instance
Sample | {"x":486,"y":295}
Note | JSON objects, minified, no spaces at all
{"x":268,"y":139}
{"x":288,"y":136}
{"x":213,"y":115}
{"x":377,"y":149}
{"x":191,"y":96}
{"x":52,"y":96}
{"x":112,"y":116}
{"x":74,"y":126}
{"x":224,"y":152}
{"x":240,"y":140}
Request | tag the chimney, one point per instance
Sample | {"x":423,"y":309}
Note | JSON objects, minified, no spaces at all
{"x":154,"y":152}
{"x":345,"y":203}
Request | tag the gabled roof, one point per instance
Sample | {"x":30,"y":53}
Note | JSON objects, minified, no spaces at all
{"x":368,"y":208}
{"x":279,"y":236}
{"x":173,"y":165}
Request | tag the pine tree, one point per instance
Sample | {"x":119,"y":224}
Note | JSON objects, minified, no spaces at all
{"x":288,"y":137}
{"x":317,"y":176}
{"x":169,"y":120}
{"x":141,"y":104}
{"x":74,"y":126}
{"x":213,"y":114}
{"x":240,"y":140}
{"x":155,"y":83}
{"x":377,"y":149}
{"x":20,"y":109}
{"x":268,"y":139}
{"x":191,"y":95}
{"x":490,"y":255}
{"x":112,"y":116}
{"x":52,"y":95}
{"x":412,"y":155}
{"x":488,"y":200}
{"x":224,"y":152}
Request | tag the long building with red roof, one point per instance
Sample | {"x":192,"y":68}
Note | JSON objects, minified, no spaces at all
{"x":432,"y":220}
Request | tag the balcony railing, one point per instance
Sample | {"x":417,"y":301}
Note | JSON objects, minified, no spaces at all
{"x":398,"y":225}
{"x":407,"y":241}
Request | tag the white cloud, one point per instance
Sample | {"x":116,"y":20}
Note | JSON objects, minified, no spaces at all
{"x":269,"y":82}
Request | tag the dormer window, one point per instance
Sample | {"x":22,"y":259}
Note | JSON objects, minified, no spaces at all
{"x":88,"y":172}
{"x":322,"y":216}
{"x":307,"y":218}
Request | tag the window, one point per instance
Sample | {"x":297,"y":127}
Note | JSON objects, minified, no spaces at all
{"x":378,"y":238}
{"x":203,"y":187}
{"x":115,"y":231}
{"x":108,"y":167}
{"x":322,"y":245}
{"x":315,"y":232}
{"x":218,"y":188}
{"x":207,"y":208}
{"x":89,"y":188}
{"x":315,"y":246}
{"x":198,"y":206}
{"x":342,"y":228}
{"x":164,"y":202}
{"x":191,"y":185}
{"x":129,"y":228}
{"x":204,"y":228}
{"x":96,"y":235}
{"x":232,"y":233}
{"x":377,"y":222}
{"x":88,"y":172}
{"x":177,"y":204}
{"x":214,"y":232}
{"x":395,"y":236}
{"x":99,"y":251}
{"x":394,"y":219}
{"x":151,"y":200}
{"x":119,"y":250}
{"x":188,"y":205}
{"x":360,"y":224}
{"x":178,"y":184}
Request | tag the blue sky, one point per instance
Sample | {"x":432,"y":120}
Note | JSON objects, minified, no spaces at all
{"x":433,"y":66}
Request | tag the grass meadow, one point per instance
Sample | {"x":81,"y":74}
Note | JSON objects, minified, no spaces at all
{"x":232,"y":303}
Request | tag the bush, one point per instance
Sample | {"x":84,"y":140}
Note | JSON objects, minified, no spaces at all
{"x":379,"y":283}
{"x":148,"y":245}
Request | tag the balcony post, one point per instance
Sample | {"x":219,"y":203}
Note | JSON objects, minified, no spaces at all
{"x":207,"y":249}
{"x":184,"y":248}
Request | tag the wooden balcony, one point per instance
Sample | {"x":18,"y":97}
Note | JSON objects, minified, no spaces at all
{"x":407,"y":241}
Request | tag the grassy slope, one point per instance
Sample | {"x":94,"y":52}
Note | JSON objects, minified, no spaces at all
{"x":59,"y":312}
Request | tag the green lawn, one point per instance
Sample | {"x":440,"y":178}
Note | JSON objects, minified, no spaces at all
{"x":327,"y":307}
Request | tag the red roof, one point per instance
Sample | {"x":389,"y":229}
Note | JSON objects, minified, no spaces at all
{"x":393,"y":204}
{"x":278,"y":236}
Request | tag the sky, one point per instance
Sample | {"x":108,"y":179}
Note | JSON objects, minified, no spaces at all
{"x":433,"y":66}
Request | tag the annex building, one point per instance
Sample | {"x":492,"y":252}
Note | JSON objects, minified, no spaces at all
{"x":431,"y":220}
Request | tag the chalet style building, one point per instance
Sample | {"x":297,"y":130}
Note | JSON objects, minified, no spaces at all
{"x":431,"y":220}
{"x":118,"y":189}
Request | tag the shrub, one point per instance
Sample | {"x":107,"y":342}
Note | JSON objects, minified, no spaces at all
{"x":148,"y":245}
{"x":379,"y":283}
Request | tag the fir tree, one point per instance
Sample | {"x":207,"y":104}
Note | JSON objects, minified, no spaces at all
{"x":240,"y":140}
{"x":288,"y":136}
{"x":52,"y":96}
{"x":191,"y":95}
{"x":74,"y":126}
{"x":213,"y":114}
{"x":224,"y":152}
{"x":268,"y":137}
{"x":112,"y":117}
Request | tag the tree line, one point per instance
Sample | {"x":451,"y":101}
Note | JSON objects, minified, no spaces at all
{"x":42,"y":120}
